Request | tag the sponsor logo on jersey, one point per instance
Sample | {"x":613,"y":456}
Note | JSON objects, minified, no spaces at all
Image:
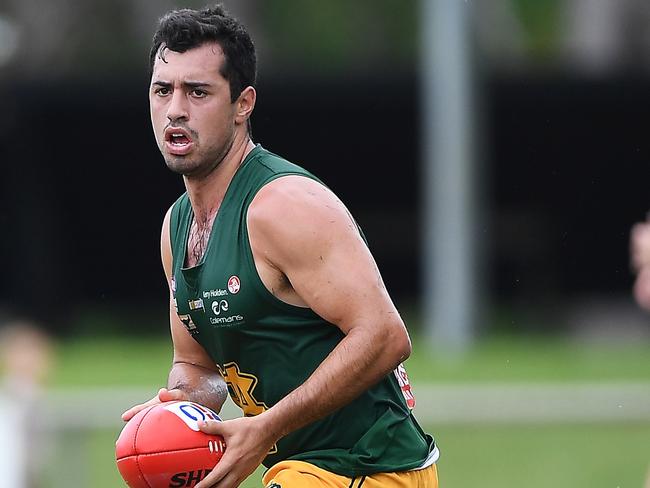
{"x":219,"y":306}
{"x":226,"y":320}
{"x":214,"y":293}
{"x":234,"y":284}
{"x":196,"y":304}
{"x":188,"y":323}
{"x":405,"y":386}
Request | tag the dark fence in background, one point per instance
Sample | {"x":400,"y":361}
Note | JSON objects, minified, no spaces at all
{"x":565,"y":173}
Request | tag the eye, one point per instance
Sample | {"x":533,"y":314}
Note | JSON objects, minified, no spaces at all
{"x":162,"y":91}
{"x":198,"y":93}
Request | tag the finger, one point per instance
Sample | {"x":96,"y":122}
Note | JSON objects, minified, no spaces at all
{"x":218,"y":475}
{"x":165,"y":395}
{"x":231,"y":480}
{"x":131,"y":412}
{"x":213,"y":427}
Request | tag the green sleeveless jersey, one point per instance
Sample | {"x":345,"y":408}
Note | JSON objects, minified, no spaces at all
{"x":265,"y":348}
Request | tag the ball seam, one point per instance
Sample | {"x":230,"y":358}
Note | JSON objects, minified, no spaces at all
{"x":135,"y":437}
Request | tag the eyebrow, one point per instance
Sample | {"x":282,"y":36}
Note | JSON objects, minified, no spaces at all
{"x":185,"y":84}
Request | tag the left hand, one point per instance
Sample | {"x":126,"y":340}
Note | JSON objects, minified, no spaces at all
{"x":248,"y":442}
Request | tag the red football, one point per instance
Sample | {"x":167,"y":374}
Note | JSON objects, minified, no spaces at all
{"x":162,"y":446}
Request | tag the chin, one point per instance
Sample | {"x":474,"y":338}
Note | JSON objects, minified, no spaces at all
{"x":181,"y":165}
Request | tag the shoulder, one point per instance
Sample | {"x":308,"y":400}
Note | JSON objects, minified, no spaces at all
{"x":175,"y":213}
{"x":293,"y":198}
{"x":182,"y":204}
{"x":270,"y":166}
{"x":296,"y":212}
{"x":170,"y":225}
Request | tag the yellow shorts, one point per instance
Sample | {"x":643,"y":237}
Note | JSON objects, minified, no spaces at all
{"x":299,"y":474}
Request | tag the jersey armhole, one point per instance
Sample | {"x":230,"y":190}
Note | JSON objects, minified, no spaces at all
{"x":248,"y":251}
{"x":176,"y":224}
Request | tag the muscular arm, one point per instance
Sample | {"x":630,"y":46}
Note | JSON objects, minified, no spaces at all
{"x":307,"y":234}
{"x":192,"y":371}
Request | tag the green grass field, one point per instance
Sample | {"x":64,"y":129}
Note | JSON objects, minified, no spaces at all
{"x":145,"y":361}
{"x":484,"y":455}
{"x":490,"y":456}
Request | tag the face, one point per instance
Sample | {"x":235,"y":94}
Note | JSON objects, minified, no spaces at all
{"x":192,"y":116}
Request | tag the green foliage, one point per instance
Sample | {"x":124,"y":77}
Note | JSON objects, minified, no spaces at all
{"x":540,"y":20}
{"x":317,"y":37}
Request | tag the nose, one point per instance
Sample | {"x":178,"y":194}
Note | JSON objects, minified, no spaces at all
{"x":177,"y":108}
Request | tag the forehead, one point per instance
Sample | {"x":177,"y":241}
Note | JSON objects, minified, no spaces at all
{"x":200,"y":62}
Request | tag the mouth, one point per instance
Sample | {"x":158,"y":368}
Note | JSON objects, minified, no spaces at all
{"x":178,"y":141}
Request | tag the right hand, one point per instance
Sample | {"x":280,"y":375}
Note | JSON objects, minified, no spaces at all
{"x":164,"y":395}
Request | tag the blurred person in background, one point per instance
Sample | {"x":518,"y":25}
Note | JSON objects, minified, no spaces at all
{"x":26,"y":354}
{"x":640,"y":262}
{"x":605,"y":35}
{"x":272,"y":287}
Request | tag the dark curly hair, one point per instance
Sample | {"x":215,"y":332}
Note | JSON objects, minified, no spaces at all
{"x":185,"y":29}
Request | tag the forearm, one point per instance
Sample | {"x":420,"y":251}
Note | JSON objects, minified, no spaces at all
{"x":358,"y":362}
{"x":202,"y":385}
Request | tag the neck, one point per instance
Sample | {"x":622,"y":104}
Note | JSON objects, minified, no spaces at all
{"x":206,"y":193}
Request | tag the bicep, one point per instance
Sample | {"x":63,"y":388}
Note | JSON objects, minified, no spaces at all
{"x":338,"y":277}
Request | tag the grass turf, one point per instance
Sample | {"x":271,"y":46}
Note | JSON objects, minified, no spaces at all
{"x":489,"y":456}
{"x":531,"y":455}
{"x":145,"y":362}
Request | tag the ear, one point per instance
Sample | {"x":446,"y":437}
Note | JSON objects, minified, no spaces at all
{"x":245,"y":105}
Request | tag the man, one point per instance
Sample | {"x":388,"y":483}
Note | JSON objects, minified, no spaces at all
{"x":26,"y":356}
{"x":640,"y":261}
{"x":272,"y":288}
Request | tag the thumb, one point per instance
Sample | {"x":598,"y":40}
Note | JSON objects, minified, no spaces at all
{"x":213,"y":427}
